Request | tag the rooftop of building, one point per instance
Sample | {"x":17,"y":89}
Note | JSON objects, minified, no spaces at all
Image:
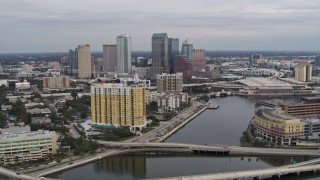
{"x":119,"y":84}
{"x":312,"y":120}
{"x":16,"y":129}
{"x":159,"y":34}
{"x":315,"y":98}
{"x":272,"y":112}
{"x":264,"y":82}
{"x":293,"y":81}
{"x":304,"y":101}
{"x":26,"y":135}
{"x":39,"y":111}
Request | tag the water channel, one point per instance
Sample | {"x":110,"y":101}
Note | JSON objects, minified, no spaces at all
{"x":222,"y":126}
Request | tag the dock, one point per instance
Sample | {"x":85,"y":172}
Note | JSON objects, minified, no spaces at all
{"x":212,"y":106}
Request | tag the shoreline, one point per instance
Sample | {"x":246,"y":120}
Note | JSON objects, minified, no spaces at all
{"x":174,"y":130}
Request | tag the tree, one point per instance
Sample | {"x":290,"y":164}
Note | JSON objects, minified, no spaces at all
{"x":3,"y":121}
{"x":74,"y":94}
{"x":152,"y":106}
{"x":168,"y":115}
{"x":204,"y":98}
{"x":19,"y":110}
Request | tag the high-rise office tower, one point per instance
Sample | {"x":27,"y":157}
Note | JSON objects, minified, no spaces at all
{"x":184,"y":65}
{"x":173,"y":50}
{"x":115,"y":104}
{"x":110,"y":57}
{"x":303,"y":72}
{"x":187,"y":50}
{"x":124,"y":54}
{"x":160,"y":62}
{"x":84,"y":61}
{"x":255,"y":59}
{"x":73,"y":61}
{"x":199,"y":59}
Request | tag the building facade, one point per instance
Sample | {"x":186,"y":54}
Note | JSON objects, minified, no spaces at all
{"x":73,"y":61}
{"x":303,"y":72}
{"x":173,"y":50}
{"x":29,"y":146}
{"x":183,"y":65}
{"x":199,"y":59}
{"x":160,"y":62}
{"x":124,"y":54}
{"x":110,"y":57}
{"x":187,"y":50}
{"x":56,"y":82}
{"x":309,"y":107}
{"x":84,"y":61}
{"x":169,"y":82}
{"x":115,"y":104}
{"x":171,"y":101}
{"x":255,"y":59}
{"x":271,"y":87}
{"x":276,"y":126}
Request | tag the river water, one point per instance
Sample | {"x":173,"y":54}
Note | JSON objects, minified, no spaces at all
{"x":222,"y":126}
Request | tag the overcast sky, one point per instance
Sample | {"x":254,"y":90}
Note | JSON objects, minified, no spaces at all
{"x":57,"y":25}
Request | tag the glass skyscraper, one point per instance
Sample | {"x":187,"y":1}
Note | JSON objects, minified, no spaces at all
{"x":187,"y":50}
{"x":160,"y":63}
{"x":173,"y":50}
{"x":73,"y":61}
{"x":124,"y":53}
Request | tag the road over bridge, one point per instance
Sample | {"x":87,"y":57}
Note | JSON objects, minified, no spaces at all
{"x":14,"y":175}
{"x":258,"y":173}
{"x":126,"y":147}
{"x":233,"y":150}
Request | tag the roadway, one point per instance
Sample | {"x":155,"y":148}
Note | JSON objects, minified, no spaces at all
{"x":165,"y":126}
{"x":85,"y":160}
{"x":12,"y":174}
{"x":234,"y":150}
{"x":126,"y":147}
{"x":76,"y":163}
{"x":258,"y":173}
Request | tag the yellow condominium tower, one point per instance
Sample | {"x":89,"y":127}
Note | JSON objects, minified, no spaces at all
{"x":303,"y":72}
{"x":115,"y":103}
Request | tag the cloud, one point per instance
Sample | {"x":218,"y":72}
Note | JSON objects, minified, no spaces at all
{"x":62,"y":24}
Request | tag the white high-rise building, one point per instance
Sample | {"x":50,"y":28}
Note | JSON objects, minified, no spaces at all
{"x":84,"y":61}
{"x":124,"y":53}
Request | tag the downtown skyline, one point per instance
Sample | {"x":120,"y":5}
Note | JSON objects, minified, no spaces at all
{"x":54,"y":26}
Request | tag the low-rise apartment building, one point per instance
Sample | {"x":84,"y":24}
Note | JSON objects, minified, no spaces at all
{"x":29,"y":146}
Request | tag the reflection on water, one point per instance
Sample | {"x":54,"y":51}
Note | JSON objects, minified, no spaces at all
{"x":2,"y":177}
{"x":222,"y":126}
{"x":118,"y":165}
{"x":140,"y":166}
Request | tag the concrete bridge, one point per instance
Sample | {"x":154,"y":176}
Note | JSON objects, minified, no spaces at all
{"x":258,"y":173}
{"x":123,"y":147}
{"x":232,"y":150}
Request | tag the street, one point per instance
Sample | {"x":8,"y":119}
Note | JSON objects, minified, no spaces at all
{"x":165,"y":126}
